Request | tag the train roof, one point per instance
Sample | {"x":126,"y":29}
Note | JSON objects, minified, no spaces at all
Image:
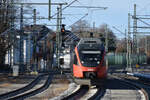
{"x":90,"y":41}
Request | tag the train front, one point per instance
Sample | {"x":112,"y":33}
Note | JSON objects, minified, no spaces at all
{"x":89,"y":60}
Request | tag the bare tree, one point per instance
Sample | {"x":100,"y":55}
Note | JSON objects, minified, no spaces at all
{"x":101,"y":32}
{"x":7,"y":16}
{"x":121,"y":46}
{"x":82,"y":28}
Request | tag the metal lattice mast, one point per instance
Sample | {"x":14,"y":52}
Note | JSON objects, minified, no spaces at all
{"x":29,"y":51}
{"x":49,"y":15}
{"x":135,"y":48}
{"x":12,"y":52}
{"x":57,"y":37}
{"x":34,"y":16}
{"x":126,"y":40}
{"x":60,"y":23}
{"x":146,"y":45}
{"x":129,"y":44}
{"x":93,"y":29}
{"x":106,"y":38}
{"x":106,"y":43}
{"x":21,"y":57}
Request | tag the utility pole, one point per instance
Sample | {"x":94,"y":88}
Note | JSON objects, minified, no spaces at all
{"x":146,"y":45}
{"x":21,"y":38}
{"x":106,"y":39}
{"x":129,"y":68}
{"x":34,"y":16}
{"x":45,"y":50}
{"x":93,"y":27}
{"x":57,"y":37}
{"x":11,"y":52}
{"x":60,"y":23}
{"x":60,"y":12}
{"x":127,"y":47}
{"x":49,"y":9}
{"x":127,"y":55}
{"x":126,"y":40}
{"x":106,"y":43}
{"x":29,"y":52}
{"x":135,"y":46}
{"x":35,"y":49}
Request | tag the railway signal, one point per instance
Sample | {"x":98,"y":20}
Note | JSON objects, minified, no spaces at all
{"x":63,"y":31}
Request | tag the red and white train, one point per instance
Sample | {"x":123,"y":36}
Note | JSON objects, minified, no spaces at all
{"x":89,"y":61}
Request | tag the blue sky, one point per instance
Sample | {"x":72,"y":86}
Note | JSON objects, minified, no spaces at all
{"x":116,"y":14}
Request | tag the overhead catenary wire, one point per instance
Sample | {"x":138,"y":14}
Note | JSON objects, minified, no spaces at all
{"x":79,"y":19}
{"x":64,"y":8}
{"x":89,"y":7}
{"x":141,"y":20}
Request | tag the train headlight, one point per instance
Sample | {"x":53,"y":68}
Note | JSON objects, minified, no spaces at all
{"x":95,"y":58}
{"x":82,"y":62}
{"x":98,"y":62}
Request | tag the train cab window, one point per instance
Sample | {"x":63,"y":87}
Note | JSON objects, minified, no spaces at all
{"x":91,"y":52}
{"x":90,"y":58}
{"x":90,"y":42}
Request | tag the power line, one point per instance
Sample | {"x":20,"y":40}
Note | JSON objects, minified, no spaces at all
{"x":44,"y":4}
{"x":119,"y":30}
{"x":80,"y":19}
{"x":97,"y":7}
{"x":140,"y":19}
{"x":64,"y":8}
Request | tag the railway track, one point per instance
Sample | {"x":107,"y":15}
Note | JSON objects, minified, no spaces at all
{"x":77,"y":94}
{"x":122,"y":87}
{"x":28,"y":91}
{"x":100,"y":92}
{"x":86,"y":93}
{"x":144,"y":87}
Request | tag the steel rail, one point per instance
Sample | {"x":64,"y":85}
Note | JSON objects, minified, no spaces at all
{"x":135,"y":85}
{"x":146,"y":86}
{"x":23,"y":89}
{"x":78,"y":94}
{"x":34,"y":92}
{"x":97,"y":96}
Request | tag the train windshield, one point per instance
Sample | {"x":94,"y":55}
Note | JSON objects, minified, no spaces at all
{"x":90,"y":58}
